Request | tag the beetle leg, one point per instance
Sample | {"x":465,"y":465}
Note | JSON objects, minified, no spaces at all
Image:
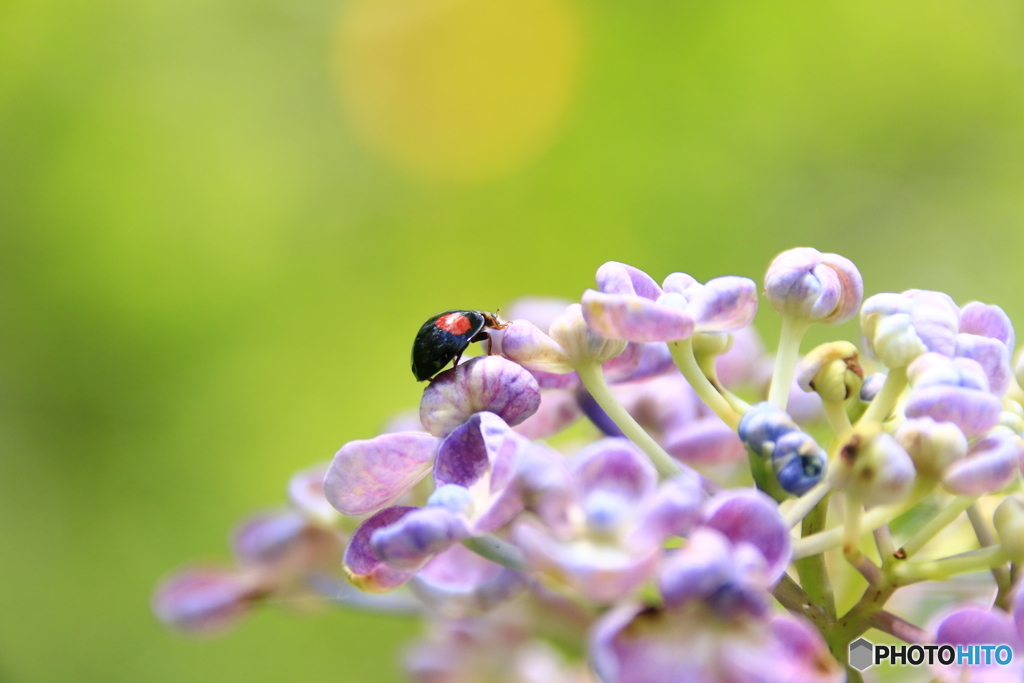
{"x":455,"y":363}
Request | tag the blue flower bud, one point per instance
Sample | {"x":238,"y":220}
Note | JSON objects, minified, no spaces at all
{"x":799,"y":462}
{"x":763,"y":425}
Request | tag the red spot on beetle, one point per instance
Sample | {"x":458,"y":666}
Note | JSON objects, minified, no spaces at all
{"x":456,"y":323}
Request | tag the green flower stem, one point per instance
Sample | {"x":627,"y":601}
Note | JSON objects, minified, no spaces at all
{"x":682,"y":354}
{"x":888,"y":395}
{"x":811,"y":570}
{"x":593,"y":379}
{"x":873,"y":518}
{"x":805,"y":504}
{"x":853,"y":524}
{"x":838,"y":420}
{"x":706,"y":363}
{"x":940,"y":521}
{"x":886,"y":548}
{"x":791,"y":596}
{"x":940,"y":570}
{"x":793,"y":331}
{"x":496,"y":550}
{"x":859,"y":619}
{"x":986,"y":537}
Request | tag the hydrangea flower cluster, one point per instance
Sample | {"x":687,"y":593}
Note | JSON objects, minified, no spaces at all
{"x":629,"y":489}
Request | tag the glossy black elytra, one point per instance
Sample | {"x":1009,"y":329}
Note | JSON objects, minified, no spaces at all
{"x":445,"y":336}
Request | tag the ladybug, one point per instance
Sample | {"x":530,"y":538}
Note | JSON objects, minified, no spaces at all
{"x":445,"y":336}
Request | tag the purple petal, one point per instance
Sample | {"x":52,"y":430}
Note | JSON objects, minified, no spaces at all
{"x":708,"y":569}
{"x":205,"y":600}
{"x":815,"y":286}
{"x":682,"y":283}
{"x":707,"y":441}
{"x":601,"y":573}
{"x":615,"y":466}
{"x":673,"y":510}
{"x":524,"y":343}
{"x":973,"y":625}
{"x":481,"y":455}
{"x":483,"y":446}
{"x":752,"y":517}
{"x":558,"y":410}
{"x":639,"y":361}
{"x":991,"y":464}
{"x":936,"y":319}
{"x":796,"y":650}
{"x":266,"y":536}
{"x":618,"y":316}
{"x":634,"y":644}
{"x":367,"y":475}
{"x":582,"y":344}
{"x":409,"y":542}
{"x":488,"y":383}
{"x":306,"y":494}
{"x":724,"y":304}
{"x":991,"y":354}
{"x":974,"y":412}
{"x":459,"y":583}
{"x":742,"y":363}
{"x":362,"y":566}
{"x":547,"y":486}
{"x":987,"y":321}
{"x":618,"y":278}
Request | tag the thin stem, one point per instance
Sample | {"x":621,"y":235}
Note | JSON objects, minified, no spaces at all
{"x":682,"y":354}
{"x":853,"y":522}
{"x":873,"y":518}
{"x":593,"y":379}
{"x":496,"y":550}
{"x":793,"y":331}
{"x":888,"y":395}
{"x":706,"y":363}
{"x":940,"y":570}
{"x":838,"y":420}
{"x":886,"y":548}
{"x":1001,"y":573}
{"x":803,"y":505}
{"x":791,"y":596}
{"x":812,"y":570}
{"x":940,"y":521}
{"x":887,"y":622}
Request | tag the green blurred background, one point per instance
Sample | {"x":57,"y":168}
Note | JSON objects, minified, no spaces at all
{"x":222,"y":222}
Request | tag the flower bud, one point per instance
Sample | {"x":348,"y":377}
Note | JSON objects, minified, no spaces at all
{"x":763,"y":425}
{"x":489,"y":383}
{"x":871,"y":386}
{"x":933,"y":446}
{"x":1009,"y":522}
{"x":952,"y":390}
{"x":206,"y":600}
{"x":832,"y":370}
{"x":808,"y":284}
{"x":873,"y":467}
{"x":900,"y":327}
{"x":799,"y":462}
{"x":991,"y":463}
{"x":409,"y":542}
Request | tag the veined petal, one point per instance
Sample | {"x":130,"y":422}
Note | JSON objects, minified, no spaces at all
{"x":707,"y":441}
{"x":633,"y":318}
{"x":618,"y":278}
{"x":411,"y":540}
{"x":987,"y":321}
{"x":992,"y":355}
{"x":488,"y":383}
{"x":615,"y":466}
{"x":724,"y":304}
{"x":991,"y":464}
{"x":749,"y":516}
{"x":364,"y":569}
{"x":524,"y":343}
{"x":459,"y":583}
{"x":370,"y":474}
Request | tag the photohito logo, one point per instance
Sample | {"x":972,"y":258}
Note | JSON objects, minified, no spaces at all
{"x":864,"y":654}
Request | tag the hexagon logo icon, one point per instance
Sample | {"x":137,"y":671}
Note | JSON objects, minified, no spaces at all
{"x":861,"y":654}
